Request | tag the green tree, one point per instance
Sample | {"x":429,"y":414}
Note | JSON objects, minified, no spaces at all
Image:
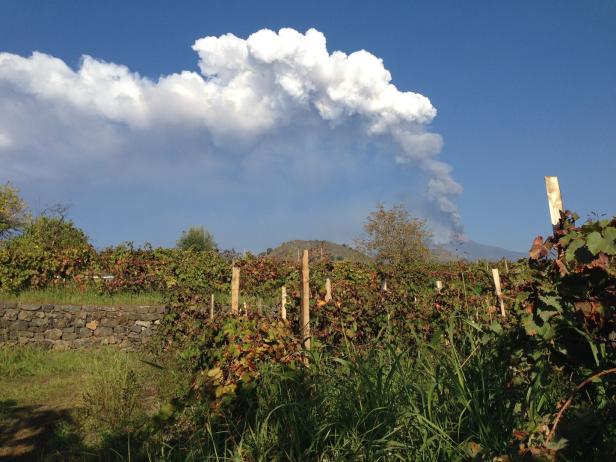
{"x":196,"y":238}
{"x":55,"y":233}
{"x":394,"y":236}
{"x":13,"y":211}
{"x":50,"y":249}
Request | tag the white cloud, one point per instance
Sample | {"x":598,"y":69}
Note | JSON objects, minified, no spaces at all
{"x":5,"y":141}
{"x":247,"y":90}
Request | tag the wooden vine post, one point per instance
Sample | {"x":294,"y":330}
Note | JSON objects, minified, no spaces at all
{"x":439,"y":286}
{"x":212,"y":306}
{"x":328,"y":290}
{"x":283,"y":303}
{"x":305,"y":314}
{"x":235,"y":290}
{"x":497,"y":288}
{"x":555,"y":200}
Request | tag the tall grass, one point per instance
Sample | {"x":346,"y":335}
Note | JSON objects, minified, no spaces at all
{"x":448,"y":399}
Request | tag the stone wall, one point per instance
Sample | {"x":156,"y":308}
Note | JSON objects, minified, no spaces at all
{"x":76,"y":326}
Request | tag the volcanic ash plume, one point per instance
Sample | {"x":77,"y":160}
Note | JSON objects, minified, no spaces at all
{"x":246,"y":89}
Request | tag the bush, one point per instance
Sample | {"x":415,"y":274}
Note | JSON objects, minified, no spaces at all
{"x":55,"y":234}
{"x":49,"y":252}
{"x":197,"y":239}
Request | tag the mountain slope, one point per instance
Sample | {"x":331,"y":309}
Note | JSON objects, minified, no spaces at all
{"x":465,"y":249}
{"x":471,"y":250}
{"x":292,"y":249}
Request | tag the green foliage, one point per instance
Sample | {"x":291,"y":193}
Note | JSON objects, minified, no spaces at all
{"x":197,"y":239}
{"x":447,"y":399}
{"x":407,"y":370}
{"x":453,"y":384}
{"x":184,"y":276}
{"x":23,"y":266}
{"x":13,"y":211}
{"x":569,"y":309}
{"x":567,"y":324}
{"x":50,"y":251}
{"x":55,"y":234}
{"x":394,"y":236}
{"x":227,"y":354}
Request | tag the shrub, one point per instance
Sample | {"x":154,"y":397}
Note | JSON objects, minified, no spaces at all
{"x":197,"y":239}
{"x":50,"y":251}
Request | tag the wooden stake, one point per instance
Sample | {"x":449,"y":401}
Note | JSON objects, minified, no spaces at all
{"x":245,"y":309}
{"x":506,"y":266}
{"x":328,"y":290}
{"x":555,"y":200}
{"x":283,"y":303}
{"x":499,"y":294}
{"x":235,"y":290}
{"x":212,"y":306}
{"x":439,"y":286}
{"x":259,"y":306}
{"x":384,"y":285}
{"x":305,"y":314}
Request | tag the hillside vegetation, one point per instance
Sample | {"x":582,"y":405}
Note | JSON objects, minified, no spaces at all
{"x":339,"y":252}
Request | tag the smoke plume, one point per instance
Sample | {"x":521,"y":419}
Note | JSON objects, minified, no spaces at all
{"x":245,"y":90}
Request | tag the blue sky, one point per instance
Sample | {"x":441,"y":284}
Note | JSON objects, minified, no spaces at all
{"x":522,"y":89}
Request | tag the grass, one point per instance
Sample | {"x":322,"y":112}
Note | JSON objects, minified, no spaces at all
{"x":383,"y":403}
{"x":446,"y":399}
{"x":74,"y":296}
{"x":77,"y":403}
{"x":392,"y":401}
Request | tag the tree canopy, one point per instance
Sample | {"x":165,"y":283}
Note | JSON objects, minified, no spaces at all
{"x":394,"y":236}
{"x":196,"y":238}
{"x":54,"y":233}
{"x":14,"y":213}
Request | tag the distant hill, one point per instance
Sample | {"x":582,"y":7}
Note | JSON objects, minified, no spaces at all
{"x":463,"y":249}
{"x":471,"y":250}
{"x":443,"y":255}
{"x":289,"y":250}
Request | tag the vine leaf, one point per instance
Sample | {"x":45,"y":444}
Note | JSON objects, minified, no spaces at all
{"x":552,"y":301}
{"x":575,"y":245}
{"x":597,"y":244}
{"x":610,"y":234}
